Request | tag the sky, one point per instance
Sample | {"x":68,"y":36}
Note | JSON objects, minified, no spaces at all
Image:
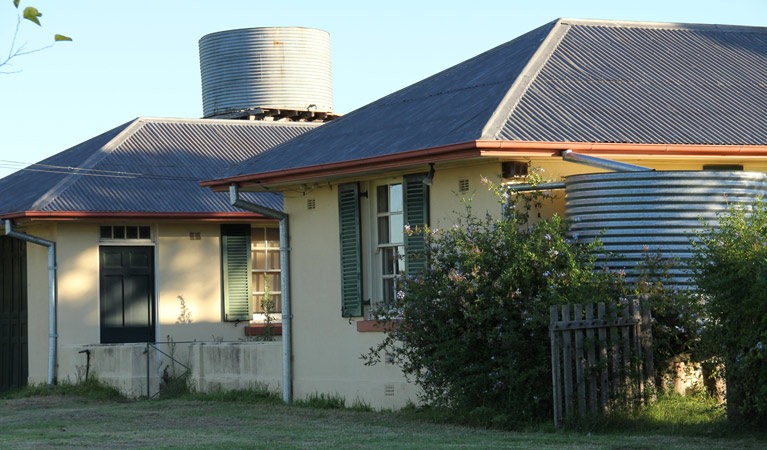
{"x":141,"y":58}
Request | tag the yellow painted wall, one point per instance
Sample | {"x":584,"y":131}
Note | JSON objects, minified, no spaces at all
{"x":187,"y":268}
{"x":37,"y":301}
{"x":326,"y":346}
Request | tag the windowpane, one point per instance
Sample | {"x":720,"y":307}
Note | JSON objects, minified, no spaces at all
{"x":388,"y":259}
{"x":259,"y":307}
{"x":383,"y":198}
{"x":383,"y":230}
{"x":273,"y":260}
{"x":144,"y":233}
{"x":259,"y":259}
{"x":388,"y":293}
{"x":106,"y":232}
{"x":132,"y":232}
{"x":395,"y":198}
{"x":396,"y":229}
{"x":401,"y":259}
{"x":274,"y":281}
{"x":273,"y":235}
{"x":119,"y":232}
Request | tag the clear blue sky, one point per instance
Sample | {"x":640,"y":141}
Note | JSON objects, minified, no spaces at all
{"x":140,"y":58}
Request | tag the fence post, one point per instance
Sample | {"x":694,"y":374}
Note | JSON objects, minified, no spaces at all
{"x":649,"y":365}
{"x":580,"y":377}
{"x":556,"y":375}
{"x":604,"y":379}
{"x":568,"y":362}
{"x":592,"y":361}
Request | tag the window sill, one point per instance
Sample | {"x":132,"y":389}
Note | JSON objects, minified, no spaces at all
{"x":373,"y":326}
{"x":259,"y":329}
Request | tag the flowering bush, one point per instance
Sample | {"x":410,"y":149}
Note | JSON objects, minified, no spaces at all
{"x":473,"y":332}
{"x":730,"y":269}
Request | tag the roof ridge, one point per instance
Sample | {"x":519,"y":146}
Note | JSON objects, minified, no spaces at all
{"x":89,"y":163}
{"x":662,"y":25}
{"x":225,"y":121}
{"x":518,"y":88}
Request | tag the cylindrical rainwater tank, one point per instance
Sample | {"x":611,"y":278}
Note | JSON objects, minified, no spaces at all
{"x":636,"y":212}
{"x":276,"y":68}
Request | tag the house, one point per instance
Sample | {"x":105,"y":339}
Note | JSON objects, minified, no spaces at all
{"x":140,"y":255}
{"x":664,"y":96}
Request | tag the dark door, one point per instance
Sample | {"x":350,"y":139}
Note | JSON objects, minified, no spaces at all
{"x":127,"y":294}
{"x":13,"y":313}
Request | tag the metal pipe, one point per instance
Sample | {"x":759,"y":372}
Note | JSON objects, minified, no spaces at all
{"x":602,"y":163}
{"x":52,"y":335}
{"x":287,"y":356}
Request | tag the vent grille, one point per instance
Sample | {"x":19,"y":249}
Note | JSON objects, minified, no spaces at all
{"x":311,"y":203}
{"x":463,"y":185}
{"x":389,"y":390}
{"x":194,"y":236}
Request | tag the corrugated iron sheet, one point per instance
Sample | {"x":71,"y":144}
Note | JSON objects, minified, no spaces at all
{"x":634,"y":84}
{"x":451,"y":106}
{"x":156,"y":167}
{"x":591,"y":81}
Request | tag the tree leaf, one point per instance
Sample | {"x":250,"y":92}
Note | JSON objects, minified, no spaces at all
{"x":61,"y":37}
{"x":31,"y":13}
{"x":16,"y":3}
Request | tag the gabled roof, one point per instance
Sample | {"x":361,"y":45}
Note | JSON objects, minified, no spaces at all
{"x":148,"y":166}
{"x":569,"y":81}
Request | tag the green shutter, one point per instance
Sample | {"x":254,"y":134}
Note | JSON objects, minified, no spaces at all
{"x":351,"y":249}
{"x":235,"y":257}
{"x":416,"y":210}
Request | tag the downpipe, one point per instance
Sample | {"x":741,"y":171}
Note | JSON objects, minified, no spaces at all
{"x":287,"y":355}
{"x":602,"y":163}
{"x":52,"y":333}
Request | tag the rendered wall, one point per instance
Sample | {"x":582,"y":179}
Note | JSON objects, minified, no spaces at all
{"x":326,"y":346}
{"x":184,"y":268}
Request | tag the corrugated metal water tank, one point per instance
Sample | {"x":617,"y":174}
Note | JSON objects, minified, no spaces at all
{"x":656,"y":210}
{"x":279,"y":68}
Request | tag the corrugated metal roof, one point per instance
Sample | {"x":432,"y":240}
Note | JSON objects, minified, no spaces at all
{"x":451,"y":106}
{"x":147,"y":165}
{"x":638,"y":84}
{"x":568,"y":81}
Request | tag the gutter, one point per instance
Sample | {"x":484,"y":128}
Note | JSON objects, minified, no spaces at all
{"x":52,"y":335}
{"x":478,"y":149}
{"x":287,"y":355}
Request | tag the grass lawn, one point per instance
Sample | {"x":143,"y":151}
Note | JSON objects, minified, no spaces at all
{"x":69,"y":421}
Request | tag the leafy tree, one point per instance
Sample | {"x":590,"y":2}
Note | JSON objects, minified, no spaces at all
{"x":31,"y":14}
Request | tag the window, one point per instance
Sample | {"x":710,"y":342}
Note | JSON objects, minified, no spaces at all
{"x":395,"y":205}
{"x":121,"y":232}
{"x":250,"y":268}
{"x":265,"y":251}
{"x":391,"y":244}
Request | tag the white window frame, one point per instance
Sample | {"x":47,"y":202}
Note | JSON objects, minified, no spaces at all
{"x":261,"y":243}
{"x":374,"y":259}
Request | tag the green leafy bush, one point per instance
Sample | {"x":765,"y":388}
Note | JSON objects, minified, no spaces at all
{"x":730,"y":269}
{"x":472,"y":329}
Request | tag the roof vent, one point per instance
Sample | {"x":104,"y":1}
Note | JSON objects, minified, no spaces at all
{"x":267,"y":74}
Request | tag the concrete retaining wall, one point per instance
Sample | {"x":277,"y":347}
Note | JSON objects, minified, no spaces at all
{"x":213,"y":366}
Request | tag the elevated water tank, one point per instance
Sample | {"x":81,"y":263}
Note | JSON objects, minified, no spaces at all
{"x":657,"y":211}
{"x":286,"y":68}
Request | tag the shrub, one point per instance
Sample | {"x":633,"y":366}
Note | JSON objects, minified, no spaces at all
{"x":730,"y":269}
{"x":473,"y":326}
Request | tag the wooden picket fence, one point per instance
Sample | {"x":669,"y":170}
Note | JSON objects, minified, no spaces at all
{"x":600,"y":362}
